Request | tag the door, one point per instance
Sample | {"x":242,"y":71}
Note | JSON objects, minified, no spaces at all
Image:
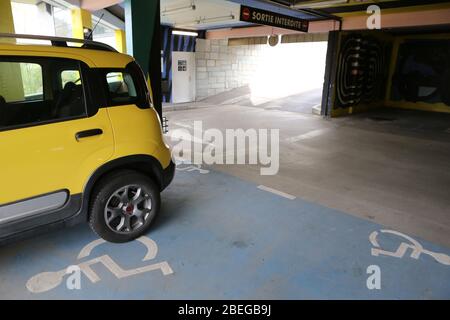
{"x":49,"y":146}
{"x":183,"y":77}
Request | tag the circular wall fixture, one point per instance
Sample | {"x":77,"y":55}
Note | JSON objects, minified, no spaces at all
{"x":274,"y":40}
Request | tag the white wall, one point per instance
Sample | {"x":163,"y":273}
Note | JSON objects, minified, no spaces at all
{"x":271,"y":72}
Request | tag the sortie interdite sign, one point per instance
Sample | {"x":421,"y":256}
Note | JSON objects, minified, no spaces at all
{"x":258,"y":16}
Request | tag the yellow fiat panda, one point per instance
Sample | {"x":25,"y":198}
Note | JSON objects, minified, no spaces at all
{"x":79,"y":141}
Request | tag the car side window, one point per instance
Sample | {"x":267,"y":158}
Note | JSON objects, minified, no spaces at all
{"x":21,"y":82}
{"x":38,"y":91}
{"x":70,"y":76}
{"x":121,"y":88}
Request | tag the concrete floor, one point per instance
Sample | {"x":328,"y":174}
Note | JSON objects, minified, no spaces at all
{"x":303,"y":102}
{"x":220,"y":237}
{"x":222,"y":234}
{"x":395,"y":173}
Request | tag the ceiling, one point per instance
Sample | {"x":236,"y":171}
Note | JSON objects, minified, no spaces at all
{"x":198,"y":19}
{"x":213,"y":14}
{"x":208,"y":14}
{"x":346,"y":6}
{"x":226,"y":11}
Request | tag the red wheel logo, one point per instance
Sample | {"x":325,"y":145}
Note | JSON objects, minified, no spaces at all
{"x":246,"y":14}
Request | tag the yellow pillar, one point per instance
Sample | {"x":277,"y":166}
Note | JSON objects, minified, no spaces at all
{"x":392,"y":69}
{"x":11,"y":87}
{"x":81,"y":20}
{"x":6,"y":17}
{"x":121,"y":41}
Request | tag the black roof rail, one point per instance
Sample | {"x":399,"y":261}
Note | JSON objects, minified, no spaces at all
{"x":62,"y":42}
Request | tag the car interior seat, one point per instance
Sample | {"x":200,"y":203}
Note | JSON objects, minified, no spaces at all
{"x":69,"y":102}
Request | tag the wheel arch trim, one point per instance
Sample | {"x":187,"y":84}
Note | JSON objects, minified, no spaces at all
{"x":145,"y":164}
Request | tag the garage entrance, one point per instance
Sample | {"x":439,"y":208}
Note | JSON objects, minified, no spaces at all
{"x":249,"y":71}
{"x":267,"y":68}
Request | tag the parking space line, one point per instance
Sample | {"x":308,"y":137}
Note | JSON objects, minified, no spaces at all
{"x":277,"y":192}
{"x":183,"y":125}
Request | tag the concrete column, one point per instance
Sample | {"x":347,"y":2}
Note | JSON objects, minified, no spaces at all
{"x":143,"y":25}
{"x":81,"y":23}
{"x":121,"y":41}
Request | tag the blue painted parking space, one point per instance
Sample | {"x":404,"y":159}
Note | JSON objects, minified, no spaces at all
{"x":219,"y":237}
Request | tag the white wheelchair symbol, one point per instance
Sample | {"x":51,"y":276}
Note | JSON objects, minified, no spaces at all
{"x":188,"y":167}
{"x":411,"y":244}
{"x":47,"y":281}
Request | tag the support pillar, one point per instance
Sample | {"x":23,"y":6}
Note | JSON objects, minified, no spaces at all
{"x":6,"y":17}
{"x":143,"y":23}
{"x":121,"y":41}
{"x":81,"y":24}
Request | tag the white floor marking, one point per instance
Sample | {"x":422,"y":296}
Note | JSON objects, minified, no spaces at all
{"x":189,"y":138}
{"x":414,"y":245}
{"x":273,"y":107}
{"x":87,"y":250}
{"x":277,"y":192}
{"x":236,"y":100}
{"x":120,"y":273}
{"x":308,"y":135}
{"x":47,"y":281}
{"x":186,"y":165}
{"x":183,"y":125}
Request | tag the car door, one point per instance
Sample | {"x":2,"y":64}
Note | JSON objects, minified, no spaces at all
{"x":51,"y":140}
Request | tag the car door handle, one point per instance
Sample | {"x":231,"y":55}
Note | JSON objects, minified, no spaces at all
{"x":88,"y":133}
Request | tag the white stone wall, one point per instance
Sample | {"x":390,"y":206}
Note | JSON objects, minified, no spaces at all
{"x":221,"y":67}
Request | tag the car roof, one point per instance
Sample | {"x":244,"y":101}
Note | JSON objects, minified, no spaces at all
{"x":92,"y":57}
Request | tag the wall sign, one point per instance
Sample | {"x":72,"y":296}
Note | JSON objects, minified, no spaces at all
{"x":182,"y":65}
{"x":258,"y":16}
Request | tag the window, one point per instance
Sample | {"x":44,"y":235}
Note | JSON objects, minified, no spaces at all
{"x":39,"y":90}
{"x":62,"y":18}
{"x":70,"y":76}
{"x":21,"y":81}
{"x":121,"y":88}
{"x":126,"y":86}
{"x":103,"y":33}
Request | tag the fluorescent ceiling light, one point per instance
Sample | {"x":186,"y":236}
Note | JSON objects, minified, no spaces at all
{"x":317,"y":4}
{"x":185,"y":33}
{"x":216,"y":19}
{"x":166,"y":12}
{"x":204,"y":20}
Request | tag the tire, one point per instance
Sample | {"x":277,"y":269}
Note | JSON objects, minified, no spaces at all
{"x":123,"y":206}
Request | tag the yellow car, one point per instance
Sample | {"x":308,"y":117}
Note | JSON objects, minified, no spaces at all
{"x":79,"y":141}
